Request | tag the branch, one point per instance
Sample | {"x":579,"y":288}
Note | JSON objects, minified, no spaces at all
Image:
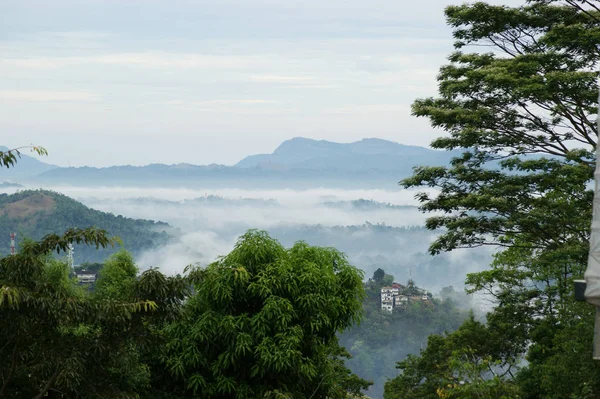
{"x":9,"y":158}
{"x":48,"y":385}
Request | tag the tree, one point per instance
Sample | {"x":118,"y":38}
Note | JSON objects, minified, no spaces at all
{"x":263,"y":322}
{"x":524,"y":116}
{"x":471,"y":362}
{"x":538,"y":96}
{"x":388,"y":280}
{"x":63,"y":339}
{"x":378,"y":276}
{"x":117,"y":277}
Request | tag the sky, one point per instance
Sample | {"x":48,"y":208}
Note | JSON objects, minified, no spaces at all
{"x":114,"y":82}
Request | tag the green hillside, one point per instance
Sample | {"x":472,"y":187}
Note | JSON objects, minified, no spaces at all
{"x":382,"y":339}
{"x":35,"y":213}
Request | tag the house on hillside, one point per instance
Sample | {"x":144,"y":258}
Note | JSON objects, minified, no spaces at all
{"x":400,"y":301}
{"x":387,"y":298}
{"x":389,"y":295}
{"x":85,"y":276}
{"x":398,"y":296}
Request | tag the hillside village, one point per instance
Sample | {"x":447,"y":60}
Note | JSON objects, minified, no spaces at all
{"x":398,"y":296}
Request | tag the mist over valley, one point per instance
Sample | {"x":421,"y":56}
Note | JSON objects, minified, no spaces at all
{"x":375,"y":228}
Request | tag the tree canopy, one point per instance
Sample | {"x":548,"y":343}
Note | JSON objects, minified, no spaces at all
{"x":263,"y":323}
{"x":535,"y":92}
{"x":524,"y":116}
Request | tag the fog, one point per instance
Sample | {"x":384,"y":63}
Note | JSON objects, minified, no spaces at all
{"x":375,"y":228}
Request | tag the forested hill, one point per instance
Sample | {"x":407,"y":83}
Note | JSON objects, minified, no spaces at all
{"x":382,"y":339}
{"x":35,"y":213}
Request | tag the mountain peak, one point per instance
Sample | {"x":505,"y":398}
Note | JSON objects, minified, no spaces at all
{"x":305,"y":153}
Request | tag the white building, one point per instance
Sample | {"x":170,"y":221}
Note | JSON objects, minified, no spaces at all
{"x":85,"y":277}
{"x":388,"y":297}
{"x":400,"y":301}
{"x":391,"y":297}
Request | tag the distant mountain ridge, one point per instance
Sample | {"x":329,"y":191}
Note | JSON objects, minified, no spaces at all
{"x":297,"y":163}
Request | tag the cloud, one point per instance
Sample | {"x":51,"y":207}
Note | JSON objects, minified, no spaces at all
{"x":200,"y":247}
{"x":291,"y":82}
{"x":309,"y":87}
{"x":218,"y":103}
{"x":278,"y":77}
{"x":380,"y":64}
{"x":281,"y":79}
{"x":368,"y":109}
{"x":284,"y":196}
{"x":149,"y":59}
{"x":47,"y":96}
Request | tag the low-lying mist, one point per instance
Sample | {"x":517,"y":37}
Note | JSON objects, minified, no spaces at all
{"x":375,"y":228}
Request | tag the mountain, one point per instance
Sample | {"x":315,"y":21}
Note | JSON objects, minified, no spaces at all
{"x":367,"y":154}
{"x":26,"y":167}
{"x":35,"y":213}
{"x":297,"y":163}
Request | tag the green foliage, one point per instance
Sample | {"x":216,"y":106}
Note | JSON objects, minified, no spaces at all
{"x":90,"y":267}
{"x":63,"y":341}
{"x":263,"y":322}
{"x":474,"y":361}
{"x":537,"y":94}
{"x":259,"y":322}
{"x":60,"y":339}
{"x":117,"y":277}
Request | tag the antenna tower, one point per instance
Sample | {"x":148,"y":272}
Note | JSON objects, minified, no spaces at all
{"x":13,"y":237}
{"x":70,"y":259}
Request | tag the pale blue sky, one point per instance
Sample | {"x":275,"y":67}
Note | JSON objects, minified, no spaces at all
{"x":102,"y":82}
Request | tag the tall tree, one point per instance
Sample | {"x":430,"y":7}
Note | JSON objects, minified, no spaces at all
{"x":524,"y":115}
{"x":263,"y":323}
{"x":536,"y":93}
{"x":379,"y":275}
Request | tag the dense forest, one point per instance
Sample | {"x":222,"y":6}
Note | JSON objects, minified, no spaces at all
{"x":34,"y":213}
